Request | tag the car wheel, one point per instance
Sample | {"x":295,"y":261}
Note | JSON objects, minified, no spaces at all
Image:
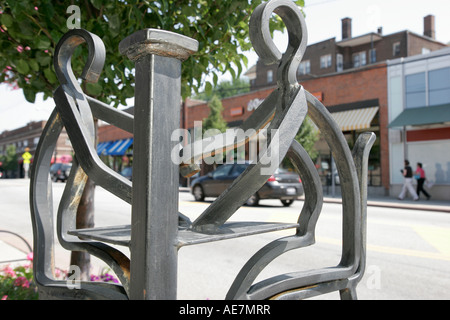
{"x":199,"y":195}
{"x":253,"y":200}
{"x":287,"y":203}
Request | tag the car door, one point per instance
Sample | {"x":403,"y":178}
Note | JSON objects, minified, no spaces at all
{"x":220,"y":179}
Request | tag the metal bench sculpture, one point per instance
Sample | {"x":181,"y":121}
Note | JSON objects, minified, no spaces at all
{"x":158,"y":230}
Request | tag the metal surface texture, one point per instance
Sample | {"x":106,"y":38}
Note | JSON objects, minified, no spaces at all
{"x":158,"y":230}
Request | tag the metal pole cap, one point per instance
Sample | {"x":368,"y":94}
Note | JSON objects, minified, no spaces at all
{"x":157,"y":42}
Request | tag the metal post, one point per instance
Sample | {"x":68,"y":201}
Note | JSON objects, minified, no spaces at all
{"x":154,"y":221}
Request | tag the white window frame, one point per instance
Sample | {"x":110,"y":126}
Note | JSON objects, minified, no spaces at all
{"x":339,"y":62}
{"x":269,"y":76}
{"x":359,"y":59}
{"x":396,"y":49}
{"x":305,"y":67}
{"x":325,"y":61}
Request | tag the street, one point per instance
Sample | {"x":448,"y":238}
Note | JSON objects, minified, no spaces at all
{"x":408,"y":251}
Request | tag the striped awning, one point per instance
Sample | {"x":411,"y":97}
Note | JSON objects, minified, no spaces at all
{"x":114,"y":148}
{"x":102,"y":147}
{"x":356,"y":119}
{"x":118,"y":148}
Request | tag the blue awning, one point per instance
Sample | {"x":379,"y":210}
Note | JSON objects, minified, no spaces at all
{"x":119,"y":147}
{"x":102,"y":147}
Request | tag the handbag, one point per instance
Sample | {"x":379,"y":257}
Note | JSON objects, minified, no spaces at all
{"x":417,"y":176}
{"x":429,"y":183}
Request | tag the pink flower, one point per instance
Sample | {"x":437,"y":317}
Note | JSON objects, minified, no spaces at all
{"x":27,"y":48}
{"x":36,"y":8}
{"x":5,"y":297}
{"x":30,"y":256}
{"x":22,"y":282}
{"x":19,"y":48}
{"x":9,"y":271}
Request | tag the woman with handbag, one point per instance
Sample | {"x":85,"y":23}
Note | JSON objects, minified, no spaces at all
{"x":420,"y":177}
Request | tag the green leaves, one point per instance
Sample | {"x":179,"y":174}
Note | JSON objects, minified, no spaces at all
{"x":43,"y":43}
{"x":33,"y":28}
{"x":7,"y":20}
{"x":22,"y":67}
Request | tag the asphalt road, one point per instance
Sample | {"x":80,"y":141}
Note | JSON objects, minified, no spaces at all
{"x":408,"y":250}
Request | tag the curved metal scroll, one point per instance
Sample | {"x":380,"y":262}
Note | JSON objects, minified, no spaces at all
{"x":285,"y":109}
{"x":73,"y":111}
{"x":282,"y":114}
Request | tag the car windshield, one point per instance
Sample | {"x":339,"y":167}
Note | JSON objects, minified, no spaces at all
{"x":222,"y":171}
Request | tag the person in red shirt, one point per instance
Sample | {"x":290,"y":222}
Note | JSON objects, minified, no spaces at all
{"x":420,"y":177}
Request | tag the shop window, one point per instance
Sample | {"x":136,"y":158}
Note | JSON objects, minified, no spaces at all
{"x":415,"y":90}
{"x":439,"y":86}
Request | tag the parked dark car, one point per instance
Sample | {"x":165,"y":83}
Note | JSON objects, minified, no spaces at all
{"x":283,"y":185}
{"x":60,"y":171}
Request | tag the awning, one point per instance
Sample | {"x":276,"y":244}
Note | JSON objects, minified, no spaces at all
{"x":114,"y":148}
{"x":356,"y":119}
{"x":119,"y":147}
{"x":422,"y":116}
{"x":102,"y":147}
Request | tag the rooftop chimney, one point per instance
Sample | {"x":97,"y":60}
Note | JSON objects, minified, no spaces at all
{"x":346,"y":28}
{"x":428,"y":27}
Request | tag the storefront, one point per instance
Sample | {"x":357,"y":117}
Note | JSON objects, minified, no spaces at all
{"x":115,"y":147}
{"x":357,"y":100}
{"x":419,"y":114}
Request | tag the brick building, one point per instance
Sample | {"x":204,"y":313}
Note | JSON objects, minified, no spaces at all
{"x":28,"y":137}
{"x":350,"y":78}
{"x":331,"y":56}
{"x":367,"y":108}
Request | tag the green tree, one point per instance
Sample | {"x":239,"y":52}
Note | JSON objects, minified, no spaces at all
{"x":307,"y":136}
{"x":215,"y":119}
{"x":9,"y":159}
{"x":30,"y":31}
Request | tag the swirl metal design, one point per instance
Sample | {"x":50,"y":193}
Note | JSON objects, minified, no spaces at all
{"x":281,"y":113}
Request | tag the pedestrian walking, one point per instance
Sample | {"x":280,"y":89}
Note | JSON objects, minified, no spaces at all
{"x":407,"y":182}
{"x":420,"y":177}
